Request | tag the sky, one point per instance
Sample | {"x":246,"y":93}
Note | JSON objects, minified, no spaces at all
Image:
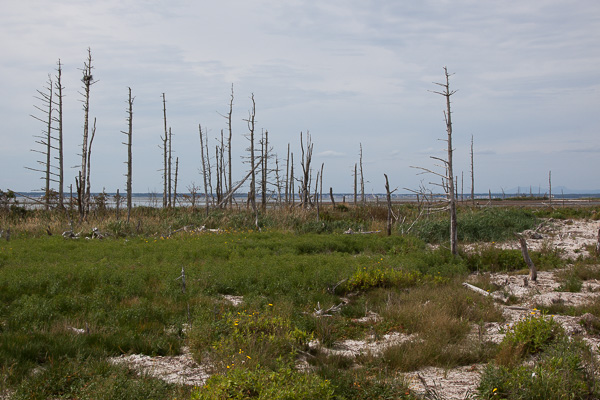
{"x":352,"y":73}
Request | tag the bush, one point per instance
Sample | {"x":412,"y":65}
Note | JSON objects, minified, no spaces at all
{"x":528,"y":336}
{"x":258,"y":383}
{"x":560,"y":373}
{"x":489,"y":224}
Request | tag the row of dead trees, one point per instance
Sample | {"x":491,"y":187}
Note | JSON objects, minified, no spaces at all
{"x":262,"y":164}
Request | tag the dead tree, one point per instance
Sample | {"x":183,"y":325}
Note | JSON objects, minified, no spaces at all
{"x":527,"y":259}
{"x":305,"y":162}
{"x":449,"y":164}
{"x":331,"y":197}
{"x":287,"y":174}
{"x":389,"y":205}
{"x":89,"y":168}
{"x":251,"y":156}
{"x":472,"y":174}
{"x":204,"y":177}
{"x":83,"y":184}
{"x":45,"y":139}
{"x":129,"y":162}
{"x":355,"y":185}
{"x":58,"y":119}
{"x":165,"y":149}
{"x":550,"y":186}
{"x":362,"y":178}
{"x":175,"y":183}
{"x":169,"y":165}
{"x":264,"y":152}
{"x":447,"y":177}
{"x":230,"y":177}
{"x":291,"y":181}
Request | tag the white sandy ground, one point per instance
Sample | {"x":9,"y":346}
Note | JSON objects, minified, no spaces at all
{"x":570,"y":236}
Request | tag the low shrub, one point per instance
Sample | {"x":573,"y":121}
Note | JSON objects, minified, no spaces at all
{"x":529,"y":336}
{"x":561,"y":372}
{"x":259,"y":383}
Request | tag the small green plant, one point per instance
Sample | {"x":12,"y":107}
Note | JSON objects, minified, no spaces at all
{"x":529,"y":336}
{"x":561,"y":372}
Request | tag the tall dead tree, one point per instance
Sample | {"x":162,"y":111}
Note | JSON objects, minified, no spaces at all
{"x":169,"y":167}
{"x":447,"y":93}
{"x":362,"y":178}
{"x":472,"y":174}
{"x":165,"y":150}
{"x":83,"y":183}
{"x":389,"y":205}
{"x":251,"y":121}
{"x":204,"y":172}
{"x":305,"y":162}
{"x":45,"y":139}
{"x":287,"y":174}
{"x":355,"y":184}
{"x":550,"y":186}
{"x":129,"y":162}
{"x":291,"y":181}
{"x":447,"y":177}
{"x":264,"y":146}
{"x":230,"y":177}
{"x":175,"y":183}
{"x":58,"y":119}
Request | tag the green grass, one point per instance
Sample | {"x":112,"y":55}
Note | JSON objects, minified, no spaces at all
{"x":126,"y":293}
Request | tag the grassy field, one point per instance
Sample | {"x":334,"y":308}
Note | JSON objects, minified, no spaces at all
{"x":67,"y":305}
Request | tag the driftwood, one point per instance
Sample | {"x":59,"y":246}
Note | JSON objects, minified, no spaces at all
{"x":532,"y":269}
{"x":319,"y":312}
{"x":496,"y":295}
{"x":351,"y":232}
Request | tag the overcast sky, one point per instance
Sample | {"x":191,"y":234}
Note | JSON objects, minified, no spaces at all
{"x":527,"y":75}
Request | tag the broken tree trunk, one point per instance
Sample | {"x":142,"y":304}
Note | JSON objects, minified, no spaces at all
{"x":331,"y":197}
{"x":532,"y":269}
{"x":389,"y":205}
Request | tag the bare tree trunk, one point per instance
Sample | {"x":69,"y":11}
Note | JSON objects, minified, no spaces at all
{"x":175,"y":183}
{"x":251,"y":127}
{"x":292,"y":191}
{"x":165,"y":150}
{"x":203,"y":168}
{"x":449,"y":164}
{"x":88,"y":194}
{"x":362,"y":178}
{"x":527,"y":259}
{"x":472,"y":174}
{"x":306,"y":160}
{"x":264,"y":144}
{"x":287,"y":174}
{"x":129,"y":134}
{"x":170,"y":164}
{"x":389,"y":205}
{"x":277,"y":181}
{"x":88,"y":81}
{"x":59,"y":120}
{"x":331,"y":197}
{"x":229,"y":145}
{"x":355,"y":185}
{"x":550,"y":186}
{"x":598,"y":243}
